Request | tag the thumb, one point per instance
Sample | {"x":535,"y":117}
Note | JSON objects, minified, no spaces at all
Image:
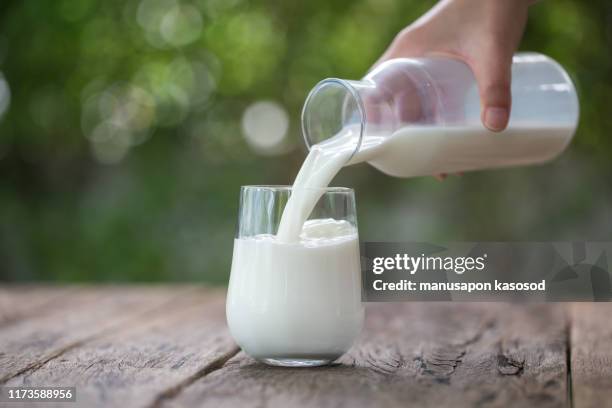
{"x":493,"y":78}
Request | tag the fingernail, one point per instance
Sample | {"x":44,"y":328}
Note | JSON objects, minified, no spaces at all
{"x":496,"y":119}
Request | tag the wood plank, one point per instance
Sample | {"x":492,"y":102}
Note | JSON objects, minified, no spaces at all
{"x":591,"y":354}
{"x":418,"y":354}
{"x":88,"y":313}
{"x":18,"y":302}
{"x":157,"y":355}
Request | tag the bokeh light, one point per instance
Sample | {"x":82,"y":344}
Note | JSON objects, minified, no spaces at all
{"x":181,"y":25}
{"x":265,"y":125}
{"x":169,"y":22}
{"x":150,"y":15}
{"x":249,"y":46}
{"x":109,"y":142}
{"x":119,"y":117}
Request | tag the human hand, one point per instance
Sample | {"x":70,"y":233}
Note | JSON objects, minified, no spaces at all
{"x":482,"y":33}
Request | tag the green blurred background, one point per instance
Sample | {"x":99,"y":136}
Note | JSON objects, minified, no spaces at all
{"x":128,"y":126}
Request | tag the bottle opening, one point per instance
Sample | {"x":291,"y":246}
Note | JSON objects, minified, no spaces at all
{"x":333,"y":109}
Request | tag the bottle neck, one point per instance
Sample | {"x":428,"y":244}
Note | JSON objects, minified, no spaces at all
{"x":335,"y":108}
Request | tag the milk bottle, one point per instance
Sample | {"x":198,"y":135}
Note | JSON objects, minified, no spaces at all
{"x":421,"y":116}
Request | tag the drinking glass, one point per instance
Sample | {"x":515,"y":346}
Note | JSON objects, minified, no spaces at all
{"x":295,"y":304}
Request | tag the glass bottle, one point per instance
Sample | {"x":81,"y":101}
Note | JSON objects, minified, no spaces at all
{"x":421,"y":116}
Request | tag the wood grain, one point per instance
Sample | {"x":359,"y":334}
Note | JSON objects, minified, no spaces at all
{"x":91,"y":312}
{"x":18,"y":302}
{"x":591,"y":354}
{"x":151,"y":359}
{"x":417,"y":354}
{"x":168,"y":346}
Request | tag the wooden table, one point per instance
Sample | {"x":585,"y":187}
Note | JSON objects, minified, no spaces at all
{"x":168,"y":346}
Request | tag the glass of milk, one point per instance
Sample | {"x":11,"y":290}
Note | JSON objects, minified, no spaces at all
{"x":295,"y":303}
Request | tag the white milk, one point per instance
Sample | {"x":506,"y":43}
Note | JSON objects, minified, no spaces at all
{"x":323,"y":162}
{"x":417,"y":151}
{"x":297,"y":301}
{"x":425,"y":151}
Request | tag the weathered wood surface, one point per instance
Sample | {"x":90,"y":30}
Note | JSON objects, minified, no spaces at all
{"x":79,"y":317}
{"x":415,"y":354}
{"x":13,"y":307}
{"x":591,"y":354}
{"x":138,"y":362}
{"x":162,"y":346}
